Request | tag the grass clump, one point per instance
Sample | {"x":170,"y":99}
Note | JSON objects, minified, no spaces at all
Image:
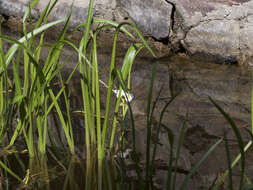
{"x":32,"y":99}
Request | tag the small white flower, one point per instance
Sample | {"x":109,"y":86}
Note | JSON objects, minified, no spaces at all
{"x":124,"y":154}
{"x":128,"y":97}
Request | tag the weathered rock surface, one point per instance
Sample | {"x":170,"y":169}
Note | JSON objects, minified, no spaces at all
{"x":195,"y":81}
{"x":221,"y":29}
{"x":151,"y":16}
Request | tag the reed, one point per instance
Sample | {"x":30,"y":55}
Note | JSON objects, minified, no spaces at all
{"x":33,"y":98}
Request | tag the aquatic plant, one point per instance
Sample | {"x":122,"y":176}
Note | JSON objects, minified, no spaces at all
{"x":33,"y":98}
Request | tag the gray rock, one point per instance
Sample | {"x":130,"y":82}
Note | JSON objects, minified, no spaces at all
{"x":218,"y":28}
{"x":151,"y":16}
{"x":15,"y":8}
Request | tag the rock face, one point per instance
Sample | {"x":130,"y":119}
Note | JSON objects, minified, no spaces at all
{"x":151,"y":16}
{"x":195,"y":81}
{"x":221,"y":29}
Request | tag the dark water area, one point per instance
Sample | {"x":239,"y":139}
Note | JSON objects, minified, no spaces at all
{"x":45,"y":173}
{"x":66,"y":172}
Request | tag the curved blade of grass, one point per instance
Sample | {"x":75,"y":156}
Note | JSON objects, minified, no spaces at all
{"x":78,"y":51}
{"x":109,"y":24}
{"x":171,"y":140}
{"x":194,"y":169}
{"x":65,"y":126}
{"x":55,"y":51}
{"x":27,"y":14}
{"x":61,"y":90}
{"x":238,"y":136}
{"x":15,"y":134}
{"x":222,"y":178}
{"x":134,"y":156}
{"x":43,"y":18}
{"x":125,"y":70}
{"x":10,"y":171}
{"x":145,"y":43}
{"x":28,"y":10}
{"x":180,"y":144}
{"x":114,"y":24}
{"x":252,"y":108}
{"x":39,"y":72}
{"x":158,"y":132}
{"x":132,"y":51}
{"x":229,"y":163}
{"x":9,"y":55}
{"x":149,"y":124}
{"x":111,"y":78}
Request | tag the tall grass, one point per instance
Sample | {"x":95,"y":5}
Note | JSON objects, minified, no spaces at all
{"x":33,"y":97}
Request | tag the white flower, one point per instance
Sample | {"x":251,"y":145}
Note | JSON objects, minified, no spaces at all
{"x":128,"y":97}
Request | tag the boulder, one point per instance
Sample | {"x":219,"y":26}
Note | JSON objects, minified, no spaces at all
{"x":220,"y":29}
{"x":151,"y":16}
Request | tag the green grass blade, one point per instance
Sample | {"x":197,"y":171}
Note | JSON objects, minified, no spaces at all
{"x":179,"y":146}
{"x":114,"y":24}
{"x":145,"y":43}
{"x":171,"y":141}
{"x":135,"y":157}
{"x":158,"y":132}
{"x":55,"y":51}
{"x":106,"y":24}
{"x":132,"y":51}
{"x":13,"y":49}
{"x":125,"y":70}
{"x":222,"y":178}
{"x":16,"y":75}
{"x":85,"y":94}
{"x":228,"y":162}
{"x":194,"y":169}
{"x":15,"y":134}
{"x":238,"y":136}
{"x":33,"y":60}
{"x":252,"y":108}
{"x":149,"y":124}
{"x":62,"y":89}
{"x":98,"y":114}
{"x":63,"y":122}
{"x":10,"y":171}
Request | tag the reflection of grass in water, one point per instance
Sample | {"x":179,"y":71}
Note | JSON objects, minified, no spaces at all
{"x":26,"y":105}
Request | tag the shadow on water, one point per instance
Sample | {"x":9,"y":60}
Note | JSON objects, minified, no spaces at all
{"x":49,"y":172}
